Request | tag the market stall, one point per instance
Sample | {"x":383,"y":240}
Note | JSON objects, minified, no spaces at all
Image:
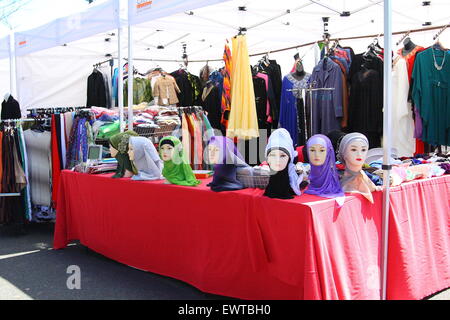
{"x":305,"y":101}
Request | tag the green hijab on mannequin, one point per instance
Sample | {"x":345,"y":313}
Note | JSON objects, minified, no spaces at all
{"x":120,"y":143}
{"x":177,"y":169}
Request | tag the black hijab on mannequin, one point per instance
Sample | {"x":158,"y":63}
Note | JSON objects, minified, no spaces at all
{"x":279,"y":186}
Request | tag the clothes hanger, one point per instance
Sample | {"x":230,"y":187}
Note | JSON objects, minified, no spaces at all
{"x":438,"y":46}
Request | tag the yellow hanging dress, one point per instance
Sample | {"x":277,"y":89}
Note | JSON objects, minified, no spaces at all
{"x":243,"y":121}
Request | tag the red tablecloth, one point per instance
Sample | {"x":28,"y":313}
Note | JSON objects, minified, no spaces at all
{"x":245,"y":245}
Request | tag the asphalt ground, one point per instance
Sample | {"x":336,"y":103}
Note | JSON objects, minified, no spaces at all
{"x":31,"y":270}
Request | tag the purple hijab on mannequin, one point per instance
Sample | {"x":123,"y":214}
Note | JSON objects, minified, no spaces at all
{"x":230,"y":160}
{"x":324,"y":179}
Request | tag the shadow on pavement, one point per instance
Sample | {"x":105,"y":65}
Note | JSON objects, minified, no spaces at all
{"x":29,"y":268}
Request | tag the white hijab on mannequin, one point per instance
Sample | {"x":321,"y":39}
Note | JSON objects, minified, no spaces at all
{"x":146,"y":159}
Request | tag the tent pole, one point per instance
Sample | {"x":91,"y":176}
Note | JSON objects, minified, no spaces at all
{"x":12,"y":66}
{"x":130,"y":78}
{"x":387,"y":134}
{"x":120,"y":80}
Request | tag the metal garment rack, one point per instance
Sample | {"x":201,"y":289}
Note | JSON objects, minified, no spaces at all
{"x":309,"y":90}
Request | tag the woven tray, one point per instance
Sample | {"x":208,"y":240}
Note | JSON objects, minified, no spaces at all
{"x":254,"y":181}
{"x":162,"y":131}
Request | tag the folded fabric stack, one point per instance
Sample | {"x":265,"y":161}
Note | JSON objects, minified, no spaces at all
{"x":407,"y":169}
{"x":102,"y":168}
{"x":96,"y":168}
{"x":168,"y":116}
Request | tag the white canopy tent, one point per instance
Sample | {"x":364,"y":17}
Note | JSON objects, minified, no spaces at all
{"x":204,"y":30}
{"x":54,"y":61}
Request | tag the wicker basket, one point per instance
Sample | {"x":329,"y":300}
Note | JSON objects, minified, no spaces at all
{"x":259,"y":181}
{"x":155,"y":133}
{"x":144,"y":131}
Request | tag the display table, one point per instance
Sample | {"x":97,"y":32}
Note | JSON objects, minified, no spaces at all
{"x":242,"y":244}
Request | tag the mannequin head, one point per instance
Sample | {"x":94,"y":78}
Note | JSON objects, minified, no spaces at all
{"x":299,"y":66}
{"x":317,"y":150}
{"x":113,"y":151}
{"x":353,"y":150}
{"x":145,"y":159}
{"x":222,"y":150}
{"x":324,"y":179}
{"x":166,"y":151}
{"x":280,"y":150}
{"x":278,"y":159}
{"x":213,"y":154}
{"x":130,"y":152}
{"x":119,"y":144}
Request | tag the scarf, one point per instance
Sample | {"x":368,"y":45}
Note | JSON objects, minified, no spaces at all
{"x":279,"y":186}
{"x":351,"y":181}
{"x":120,"y":143}
{"x":177,"y":170}
{"x":224,"y":178}
{"x":324,"y":179}
{"x":281,"y":139}
{"x":358,"y":182}
{"x":146,"y":159}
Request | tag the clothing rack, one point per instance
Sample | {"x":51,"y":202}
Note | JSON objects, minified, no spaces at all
{"x":403,"y":38}
{"x":440,"y":31}
{"x":111,"y":64}
{"x":309,"y":90}
{"x":56,"y":109}
{"x":18,"y":120}
{"x":110,"y":61}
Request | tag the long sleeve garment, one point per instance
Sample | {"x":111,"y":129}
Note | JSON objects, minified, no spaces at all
{"x":266,"y":81}
{"x":39,"y":166}
{"x":273,"y":70}
{"x":186,"y":137}
{"x":366,"y":105}
{"x":114,"y":86}
{"x":196,"y":89}
{"x":431,"y":91}
{"x":108,"y":88}
{"x":403,"y":135}
{"x":410,"y":59}
{"x":289,"y":115}
{"x":211,"y":104}
{"x":185,"y":92}
{"x":56,"y":163}
{"x":24,"y":159}
{"x":96,"y":90}
{"x":11,"y":208}
{"x":226,"y":85}
{"x":166,"y":90}
{"x":142,"y":91}
{"x":259,"y":86}
{"x":327,"y":109}
{"x":10,"y":109}
{"x":198,"y":142}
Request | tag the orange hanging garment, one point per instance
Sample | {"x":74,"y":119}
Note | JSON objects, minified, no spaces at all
{"x":226,"y":92}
